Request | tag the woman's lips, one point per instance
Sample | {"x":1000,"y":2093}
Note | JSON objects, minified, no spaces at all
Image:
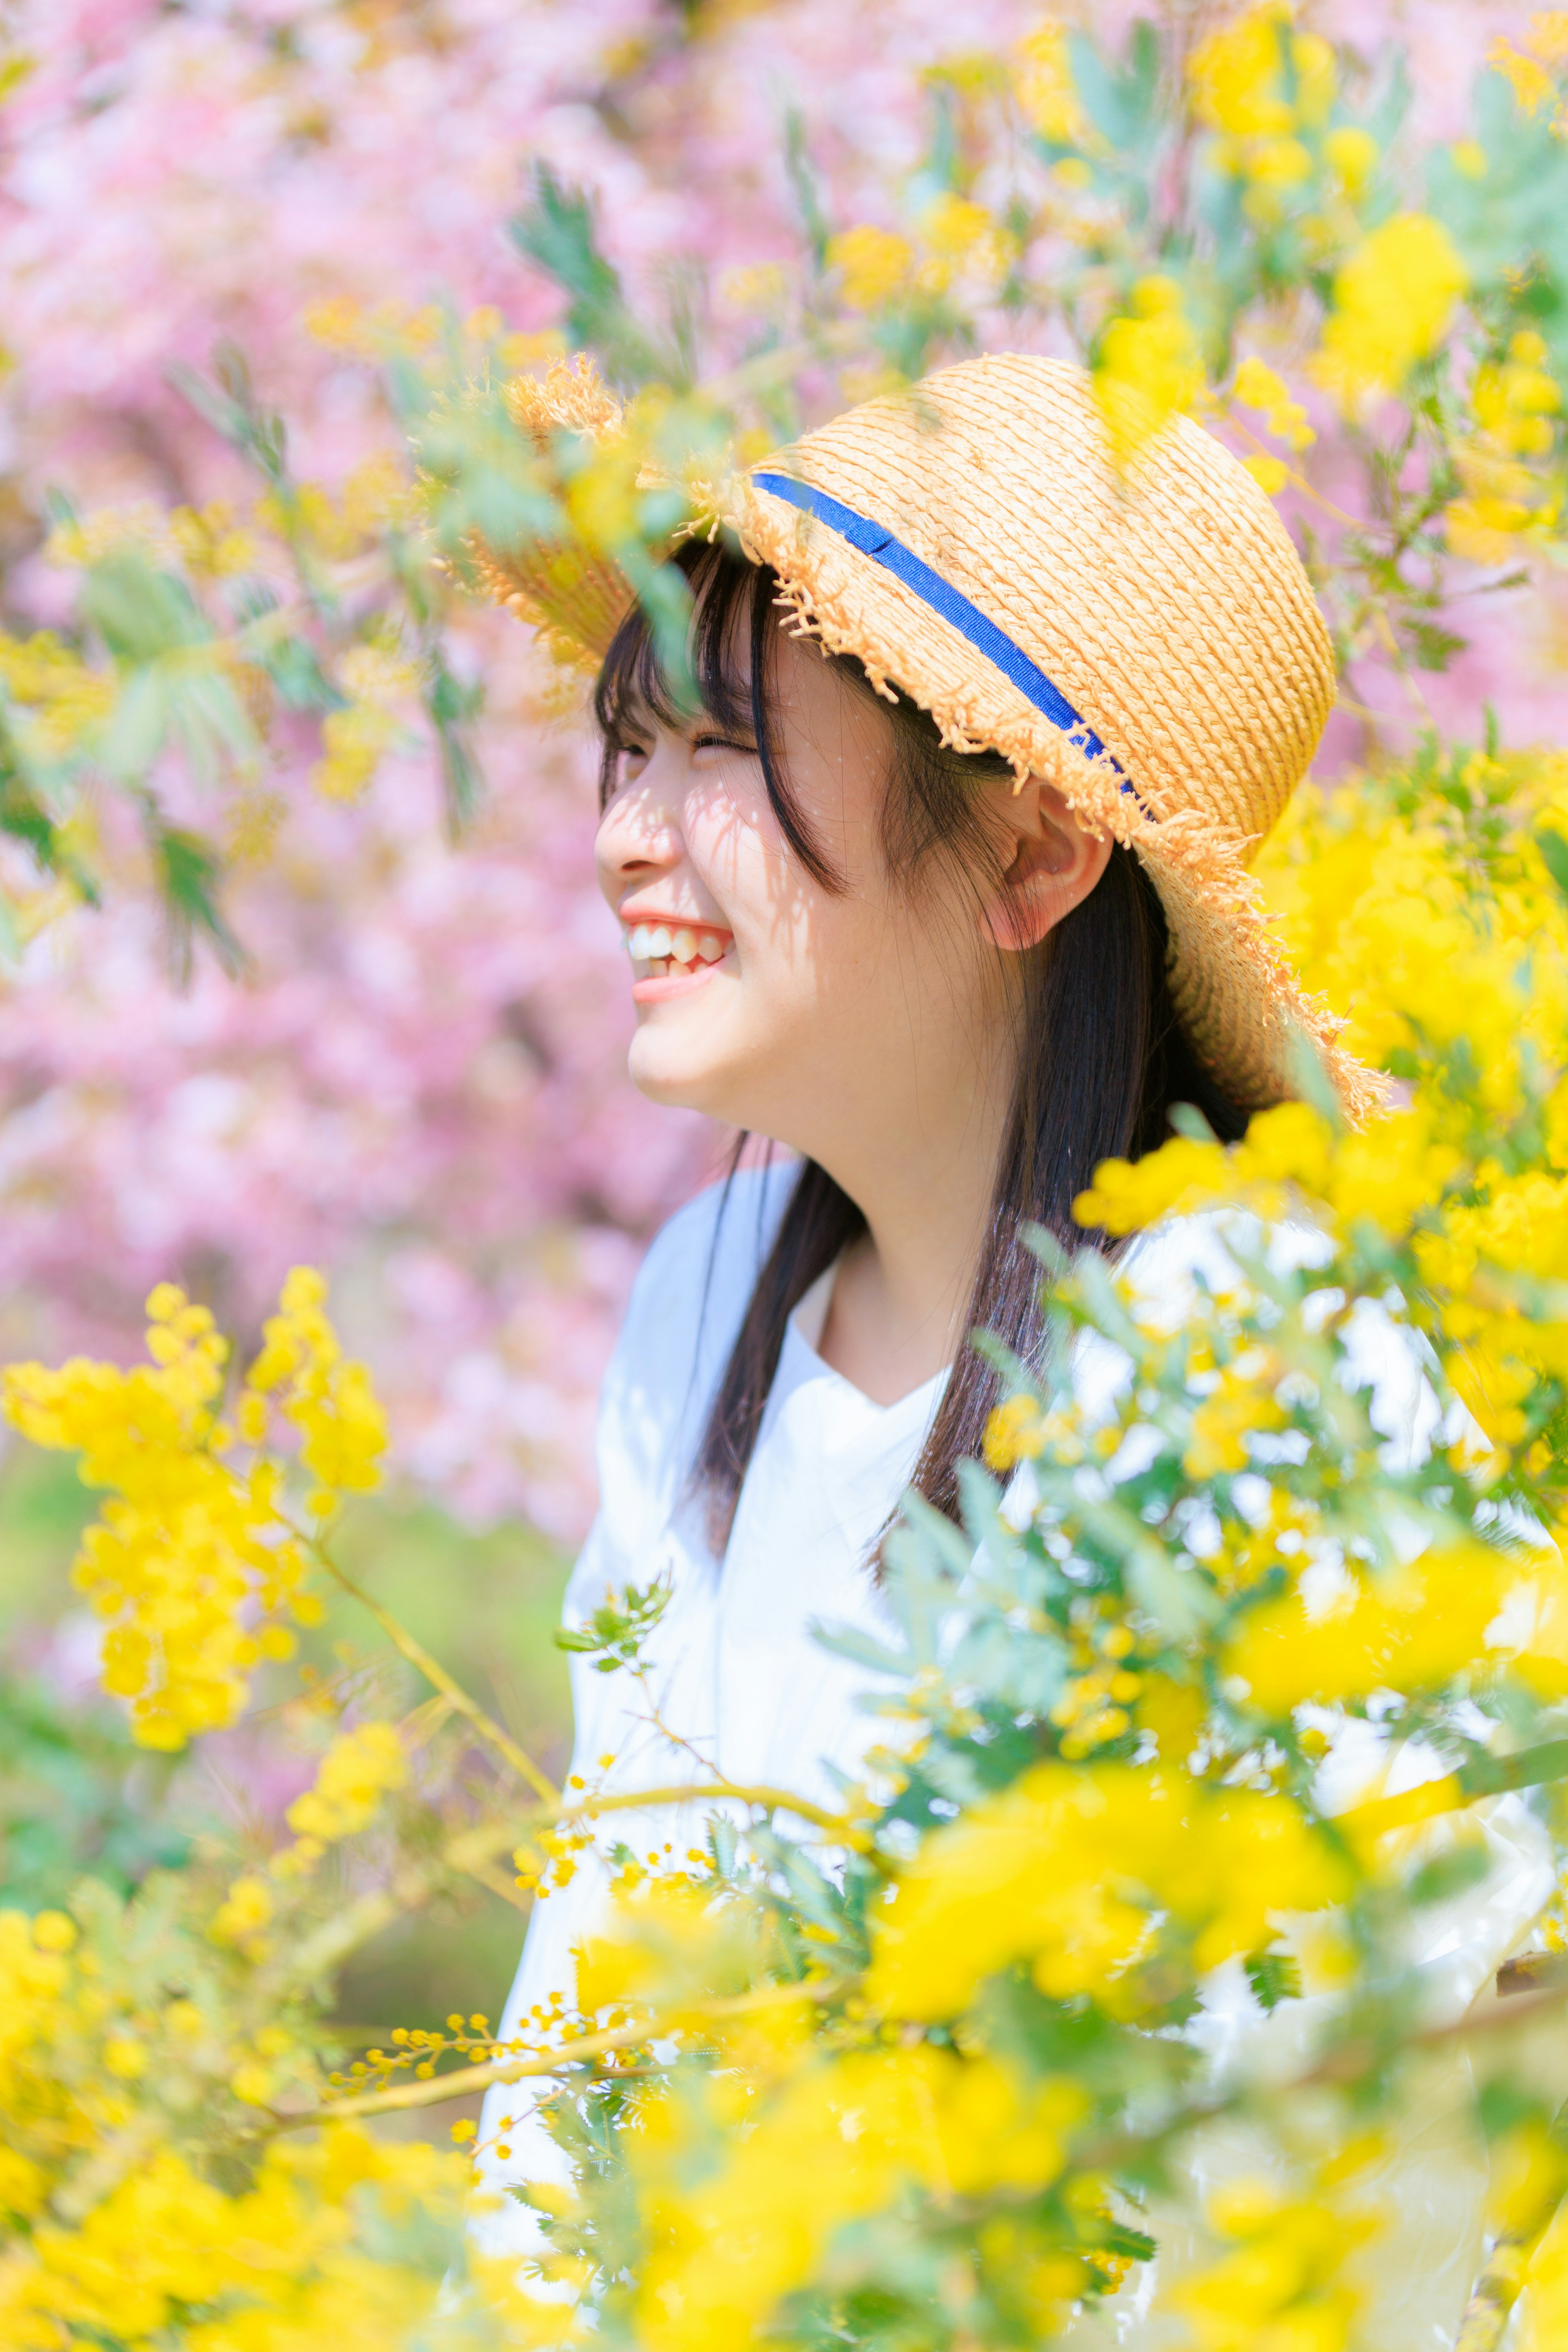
{"x":670,"y":957}
{"x":659,"y":986}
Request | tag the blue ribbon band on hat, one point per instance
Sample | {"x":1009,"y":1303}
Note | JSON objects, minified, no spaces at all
{"x":875,"y":540}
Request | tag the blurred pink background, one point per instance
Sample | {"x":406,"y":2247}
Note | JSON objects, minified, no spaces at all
{"x":419,"y":1085}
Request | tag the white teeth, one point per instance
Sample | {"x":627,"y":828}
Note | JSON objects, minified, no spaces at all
{"x":656,"y":949}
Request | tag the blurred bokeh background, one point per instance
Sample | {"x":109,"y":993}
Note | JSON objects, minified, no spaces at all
{"x":410,"y":1071}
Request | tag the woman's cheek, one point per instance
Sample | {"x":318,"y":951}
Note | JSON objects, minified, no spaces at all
{"x":729,"y":848}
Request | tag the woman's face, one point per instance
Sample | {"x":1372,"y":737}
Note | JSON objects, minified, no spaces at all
{"x":825,"y":1019}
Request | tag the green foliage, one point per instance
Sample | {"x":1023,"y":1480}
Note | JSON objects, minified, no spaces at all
{"x":76,"y":1798}
{"x":555,"y":230}
{"x":1274,"y":1977}
{"x":614,"y":1635}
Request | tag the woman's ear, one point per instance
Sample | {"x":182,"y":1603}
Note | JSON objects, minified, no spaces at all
{"x":1054,"y":863}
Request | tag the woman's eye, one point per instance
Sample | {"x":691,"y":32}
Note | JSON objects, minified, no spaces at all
{"x":723,"y":743}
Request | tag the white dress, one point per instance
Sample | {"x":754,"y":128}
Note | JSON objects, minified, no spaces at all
{"x":734,"y":1671}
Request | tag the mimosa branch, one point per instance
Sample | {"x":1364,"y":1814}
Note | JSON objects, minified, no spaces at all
{"x":440,"y":2088}
{"x":469,"y":1854}
{"x":773,"y":1801}
{"x":453,"y":1692}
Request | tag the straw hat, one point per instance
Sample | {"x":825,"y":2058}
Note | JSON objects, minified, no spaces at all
{"x":1147,"y":642}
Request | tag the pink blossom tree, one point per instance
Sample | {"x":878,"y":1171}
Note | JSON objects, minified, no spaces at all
{"x":415,"y":1078}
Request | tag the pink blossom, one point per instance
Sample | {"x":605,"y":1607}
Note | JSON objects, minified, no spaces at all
{"x":419,"y":1082}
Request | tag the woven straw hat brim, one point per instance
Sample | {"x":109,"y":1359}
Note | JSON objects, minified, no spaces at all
{"x":575,"y":598}
{"x":1167,"y":606}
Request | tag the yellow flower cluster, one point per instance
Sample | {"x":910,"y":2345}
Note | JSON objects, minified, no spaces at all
{"x":1534,"y":71}
{"x":1393,"y":298}
{"x":1516,"y":401}
{"x":1085,"y":1872}
{"x":1258,"y":386}
{"x":326,"y":1395}
{"x":360,"y":1767}
{"x":1283,"y":2280}
{"x":874,"y":265}
{"x":1384,"y":1176}
{"x":396,"y":329}
{"x":116,"y":2229}
{"x":194,"y":1561}
{"x":836,"y":2145}
{"x":1515,"y":398}
{"x":185,"y":1544}
{"x":1412,"y":1631}
{"x":1094,"y":1706}
{"x":1260,"y":84}
{"x":59,"y":699}
{"x":274,"y":2269}
{"x":244,"y":1911}
{"x":1397,"y":913}
{"x":1238,"y":74}
{"x":354,"y":741}
{"x":1383,"y":909}
{"x":1149,"y":368}
{"x":1045,"y":87}
{"x":760,"y":288}
{"x":373,"y":496}
{"x":344,"y":325}
{"x":210,"y":541}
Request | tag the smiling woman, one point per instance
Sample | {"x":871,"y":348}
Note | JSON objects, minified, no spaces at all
{"x":897,"y":903}
{"x":887,"y":939}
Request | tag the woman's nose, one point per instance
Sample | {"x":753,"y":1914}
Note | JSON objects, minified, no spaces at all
{"x":639,"y":835}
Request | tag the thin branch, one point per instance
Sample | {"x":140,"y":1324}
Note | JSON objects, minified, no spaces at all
{"x":1498,"y":2288}
{"x":1482,"y":1776}
{"x":370,"y":1912}
{"x":773,"y":1801}
{"x":654,"y":1718}
{"x":551,"y":1799}
{"x":434,"y":1672}
{"x":1100,"y":2156}
{"x":440,"y":2088}
{"x":768,"y":367}
{"x":500,"y":1884}
{"x":468,"y":2079}
{"x":1507,"y":2273}
{"x":1298,"y":480}
{"x":1115,"y":2150}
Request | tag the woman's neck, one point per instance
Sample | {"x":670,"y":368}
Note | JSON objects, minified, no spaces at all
{"x":897,"y":1314}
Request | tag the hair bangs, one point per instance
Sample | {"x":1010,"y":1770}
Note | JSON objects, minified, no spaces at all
{"x":634,"y":689}
{"x":733,"y":603}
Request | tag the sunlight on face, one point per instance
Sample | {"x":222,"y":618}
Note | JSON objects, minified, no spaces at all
{"x":763,"y":998}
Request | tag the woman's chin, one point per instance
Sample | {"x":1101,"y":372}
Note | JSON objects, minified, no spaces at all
{"x":668,"y":1070}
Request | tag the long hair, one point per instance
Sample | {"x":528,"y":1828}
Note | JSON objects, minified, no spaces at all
{"x":1100,"y":1058}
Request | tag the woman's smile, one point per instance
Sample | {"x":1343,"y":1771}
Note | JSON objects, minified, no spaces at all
{"x":672,"y":956}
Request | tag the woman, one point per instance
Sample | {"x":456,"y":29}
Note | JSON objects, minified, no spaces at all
{"x":951,"y":916}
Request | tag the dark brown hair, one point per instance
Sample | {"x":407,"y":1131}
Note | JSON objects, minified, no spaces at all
{"x":1101,"y":1058}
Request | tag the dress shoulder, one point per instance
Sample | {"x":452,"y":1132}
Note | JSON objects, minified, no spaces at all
{"x":686,"y":1307}
{"x":694,"y":1288}
{"x":1165,"y":1268}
